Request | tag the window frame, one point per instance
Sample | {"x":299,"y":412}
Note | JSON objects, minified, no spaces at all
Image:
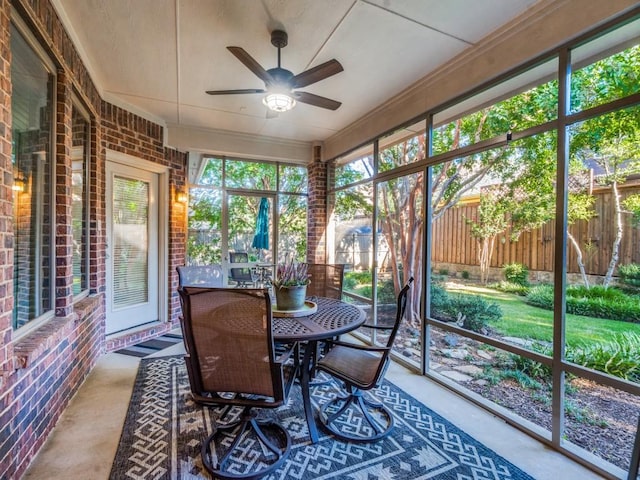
{"x":49,"y":66}
{"x":84,"y":113}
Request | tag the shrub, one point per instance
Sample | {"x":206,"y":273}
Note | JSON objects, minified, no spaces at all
{"x":439,"y":300}
{"x":510,"y":287}
{"x":541,"y":296}
{"x":475,"y":312}
{"x":532,"y":367}
{"x":619,"y":357}
{"x":629,"y":275}
{"x":386,"y":292}
{"x":597,"y":301}
{"x":465,"y":274}
{"x":516,"y":273}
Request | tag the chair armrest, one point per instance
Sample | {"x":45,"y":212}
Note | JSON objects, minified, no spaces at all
{"x":376,"y":327}
{"x":356,"y":346}
{"x":285,"y":352}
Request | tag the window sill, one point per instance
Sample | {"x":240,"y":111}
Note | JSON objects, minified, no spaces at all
{"x":33,"y":346}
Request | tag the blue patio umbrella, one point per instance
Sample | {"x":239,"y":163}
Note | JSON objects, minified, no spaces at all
{"x":261,"y":238}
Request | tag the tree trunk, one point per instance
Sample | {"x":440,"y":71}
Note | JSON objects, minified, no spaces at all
{"x":576,"y":245}
{"x":615,"y":251}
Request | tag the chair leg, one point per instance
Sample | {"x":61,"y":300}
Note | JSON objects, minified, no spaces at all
{"x":355,"y":417}
{"x":228,"y":462}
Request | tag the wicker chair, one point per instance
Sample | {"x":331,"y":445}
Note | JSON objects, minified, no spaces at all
{"x":243,"y":276}
{"x":231,"y":362}
{"x":360,"y":368}
{"x":326,"y":280}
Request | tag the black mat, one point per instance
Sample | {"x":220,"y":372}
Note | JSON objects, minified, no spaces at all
{"x":164,"y":427}
{"x":154,"y":345}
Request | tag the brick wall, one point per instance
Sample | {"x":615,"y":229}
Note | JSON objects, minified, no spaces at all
{"x":41,"y":371}
{"x":317,"y":208}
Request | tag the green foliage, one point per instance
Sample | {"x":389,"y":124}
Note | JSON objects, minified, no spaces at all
{"x":443,"y":271}
{"x":580,"y":207}
{"x":516,"y":273}
{"x":629,"y":275}
{"x":355,"y":282}
{"x":491,"y":216}
{"x":523,"y":379}
{"x":619,"y":357}
{"x":439,"y":299}
{"x":475,"y":312}
{"x":532,"y":367}
{"x":386,"y":292}
{"x":465,"y":274}
{"x":510,"y":287}
{"x":632,"y":205}
{"x":597,"y":301}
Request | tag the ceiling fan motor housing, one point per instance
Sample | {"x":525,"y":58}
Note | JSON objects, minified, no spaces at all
{"x":279,"y":38}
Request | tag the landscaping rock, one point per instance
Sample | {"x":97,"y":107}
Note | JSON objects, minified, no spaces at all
{"x":469,"y":369}
{"x":484,"y":354}
{"x":459,"y":353}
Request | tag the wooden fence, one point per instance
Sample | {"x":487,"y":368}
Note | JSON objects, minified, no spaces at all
{"x":453,"y":244}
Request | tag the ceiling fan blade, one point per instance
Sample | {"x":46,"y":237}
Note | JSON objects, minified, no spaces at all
{"x":316,"y":74}
{"x":234,"y":92}
{"x":316,"y":100}
{"x":251,"y":64}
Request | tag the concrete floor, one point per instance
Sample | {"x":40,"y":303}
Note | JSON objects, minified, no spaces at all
{"x":84,"y":441}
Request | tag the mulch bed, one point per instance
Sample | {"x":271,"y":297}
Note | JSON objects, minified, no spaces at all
{"x":600,"y":419}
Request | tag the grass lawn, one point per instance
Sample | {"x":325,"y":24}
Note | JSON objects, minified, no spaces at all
{"x":525,"y":321}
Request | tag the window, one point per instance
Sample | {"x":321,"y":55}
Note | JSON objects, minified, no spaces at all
{"x":530,"y":221}
{"x":80,"y":198}
{"x":32,"y":109}
{"x":224,"y":203}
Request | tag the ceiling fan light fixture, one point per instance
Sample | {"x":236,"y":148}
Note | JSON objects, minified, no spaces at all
{"x":278,"y":101}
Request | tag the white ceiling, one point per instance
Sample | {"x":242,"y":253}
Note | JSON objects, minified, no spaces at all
{"x":157,"y":57}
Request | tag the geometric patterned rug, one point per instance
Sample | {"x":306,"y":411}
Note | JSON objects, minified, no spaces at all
{"x":164,"y":429}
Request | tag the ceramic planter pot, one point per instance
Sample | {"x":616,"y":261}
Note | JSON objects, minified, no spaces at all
{"x":290,"y":298}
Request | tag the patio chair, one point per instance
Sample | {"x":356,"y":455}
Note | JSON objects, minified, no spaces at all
{"x":243,"y":276}
{"x":231,"y":363}
{"x":353,"y":417}
{"x":200,"y":276}
{"x":325,"y":280}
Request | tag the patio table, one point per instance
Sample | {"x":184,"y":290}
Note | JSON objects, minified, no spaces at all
{"x":332,"y":319}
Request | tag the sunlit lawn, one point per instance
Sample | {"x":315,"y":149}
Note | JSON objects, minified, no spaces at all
{"x":525,"y":321}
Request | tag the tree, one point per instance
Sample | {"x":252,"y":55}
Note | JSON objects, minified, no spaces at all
{"x":580,"y":208}
{"x":491,"y":221}
{"x":612,"y":144}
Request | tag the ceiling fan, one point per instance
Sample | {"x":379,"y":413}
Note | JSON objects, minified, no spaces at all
{"x":280,"y":83}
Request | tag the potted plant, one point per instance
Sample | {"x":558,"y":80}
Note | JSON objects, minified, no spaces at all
{"x":290,"y":285}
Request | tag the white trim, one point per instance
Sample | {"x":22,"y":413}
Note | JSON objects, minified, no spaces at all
{"x":239,"y":145}
{"x":163,"y":222}
{"x":135,"y":162}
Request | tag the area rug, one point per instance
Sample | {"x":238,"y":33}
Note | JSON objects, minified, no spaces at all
{"x":164,"y":428}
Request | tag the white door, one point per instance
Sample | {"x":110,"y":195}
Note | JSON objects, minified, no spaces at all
{"x":132,"y":247}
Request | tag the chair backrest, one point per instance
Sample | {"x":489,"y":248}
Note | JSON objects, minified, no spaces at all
{"x":240,"y":274}
{"x":229,"y":340}
{"x":326,"y":280}
{"x":238,"y":257}
{"x":200,"y":276}
{"x":400,"y":311}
